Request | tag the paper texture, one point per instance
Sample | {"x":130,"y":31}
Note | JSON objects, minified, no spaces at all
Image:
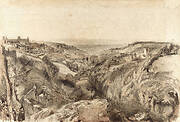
{"x":66,"y":60}
{"x":122,"y":20}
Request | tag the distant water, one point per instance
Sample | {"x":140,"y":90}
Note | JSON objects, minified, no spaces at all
{"x":96,"y":49}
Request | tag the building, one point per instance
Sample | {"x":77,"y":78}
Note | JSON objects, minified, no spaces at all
{"x":140,"y":53}
{"x":23,"y":41}
{"x":19,"y":40}
{"x":9,"y":41}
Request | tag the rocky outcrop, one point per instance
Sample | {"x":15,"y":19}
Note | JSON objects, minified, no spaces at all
{"x":35,"y":84}
{"x":132,"y":89}
{"x":119,"y":85}
{"x":84,"y":111}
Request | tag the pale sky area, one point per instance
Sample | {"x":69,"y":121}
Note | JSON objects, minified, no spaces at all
{"x":85,"y":21}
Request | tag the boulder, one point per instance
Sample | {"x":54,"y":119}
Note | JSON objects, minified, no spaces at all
{"x":81,"y":111}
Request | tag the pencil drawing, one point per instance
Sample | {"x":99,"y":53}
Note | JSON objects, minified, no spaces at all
{"x":57,"y":82}
{"x":89,"y":60}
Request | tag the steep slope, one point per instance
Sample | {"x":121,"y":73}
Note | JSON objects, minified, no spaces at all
{"x":51,"y":78}
{"x":125,"y":80}
{"x":35,"y":82}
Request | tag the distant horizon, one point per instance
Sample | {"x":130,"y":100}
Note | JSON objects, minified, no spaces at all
{"x":83,"y":42}
{"x":114,"y":22}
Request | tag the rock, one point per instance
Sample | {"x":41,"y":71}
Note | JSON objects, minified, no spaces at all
{"x":132,"y":89}
{"x":38,"y":85}
{"x":124,"y":80}
{"x":84,"y":111}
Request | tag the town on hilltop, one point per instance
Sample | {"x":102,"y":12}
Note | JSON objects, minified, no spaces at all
{"x":14,"y":41}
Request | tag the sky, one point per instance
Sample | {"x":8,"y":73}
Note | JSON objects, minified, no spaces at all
{"x":90,"y":21}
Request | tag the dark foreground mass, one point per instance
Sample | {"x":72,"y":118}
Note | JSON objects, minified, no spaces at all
{"x":57,"y":82}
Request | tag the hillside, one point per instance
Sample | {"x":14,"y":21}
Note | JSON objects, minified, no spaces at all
{"x":54,"y":81}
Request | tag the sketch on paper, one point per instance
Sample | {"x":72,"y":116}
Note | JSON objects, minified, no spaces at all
{"x":92,"y":76}
{"x":55,"y":81}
